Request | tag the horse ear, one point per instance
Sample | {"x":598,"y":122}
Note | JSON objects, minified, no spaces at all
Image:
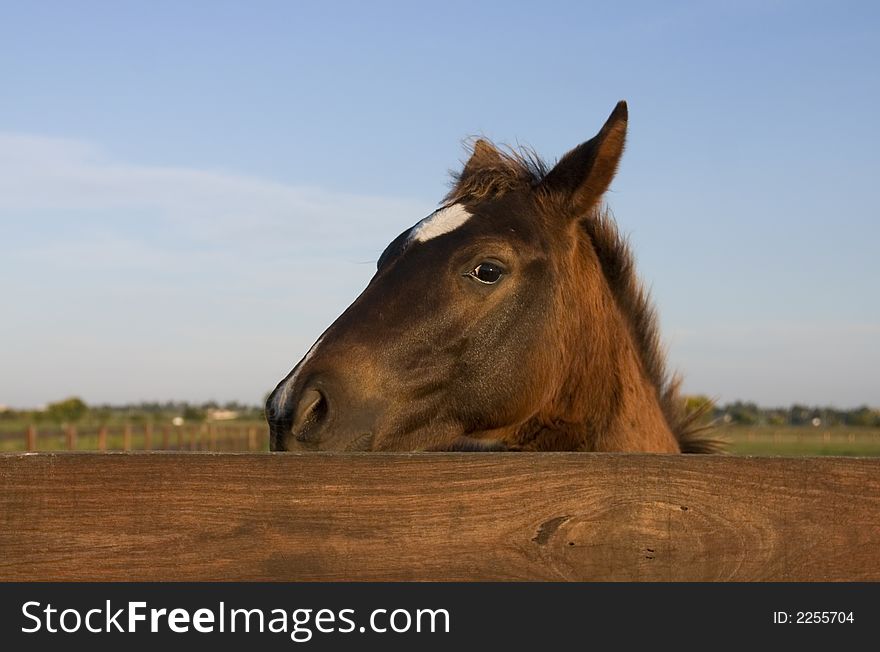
{"x":583,"y":175}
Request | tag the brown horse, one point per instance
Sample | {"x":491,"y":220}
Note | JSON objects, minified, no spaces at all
{"x":509,"y":319}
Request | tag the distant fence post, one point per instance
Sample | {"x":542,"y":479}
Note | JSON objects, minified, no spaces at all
{"x":31,"y":437}
{"x":166,"y":438}
{"x":102,"y":438}
{"x":126,"y":437}
{"x":252,"y":439}
{"x":192,"y":438}
{"x":212,"y":435}
{"x":71,"y":438}
{"x":148,"y":436}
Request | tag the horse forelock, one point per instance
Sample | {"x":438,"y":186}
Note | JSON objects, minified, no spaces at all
{"x":493,"y":171}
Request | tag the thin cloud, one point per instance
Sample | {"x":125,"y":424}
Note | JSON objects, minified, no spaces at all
{"x":44,"y":176}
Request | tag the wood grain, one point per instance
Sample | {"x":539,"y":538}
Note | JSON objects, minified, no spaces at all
{"x":496,"y":516}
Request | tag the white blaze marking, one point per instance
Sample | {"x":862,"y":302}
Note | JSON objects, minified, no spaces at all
{"x":281,"y":397}
{"x":439,"y":222}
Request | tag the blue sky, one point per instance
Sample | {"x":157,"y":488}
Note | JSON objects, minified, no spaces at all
{"x":191,"y":192}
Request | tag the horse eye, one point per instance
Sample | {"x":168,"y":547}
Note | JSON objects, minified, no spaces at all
{"x":487,"y":273}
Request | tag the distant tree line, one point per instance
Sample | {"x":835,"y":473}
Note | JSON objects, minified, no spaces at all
{"x":751,"y":414}
{"x":74,"y":410}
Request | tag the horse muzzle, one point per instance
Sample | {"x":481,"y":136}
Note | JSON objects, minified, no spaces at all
{"x":314,"y":417}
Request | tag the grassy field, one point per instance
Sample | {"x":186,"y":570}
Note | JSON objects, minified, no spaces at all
{"x":801,"y":440}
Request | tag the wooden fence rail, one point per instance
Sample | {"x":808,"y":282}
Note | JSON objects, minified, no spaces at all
{"x":471,"y":516}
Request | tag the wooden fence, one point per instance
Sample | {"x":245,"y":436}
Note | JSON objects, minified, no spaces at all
{"x":126,"y":437}
{"x":457,"y":516}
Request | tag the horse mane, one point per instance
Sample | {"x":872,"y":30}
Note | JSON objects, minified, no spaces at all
{"x":492,"y":172}
{"x":618,"y":265}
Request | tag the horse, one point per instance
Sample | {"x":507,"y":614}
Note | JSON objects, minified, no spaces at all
{"x":510,"y":319}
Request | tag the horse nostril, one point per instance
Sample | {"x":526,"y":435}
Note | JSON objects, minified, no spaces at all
{"x":311,"y":412}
